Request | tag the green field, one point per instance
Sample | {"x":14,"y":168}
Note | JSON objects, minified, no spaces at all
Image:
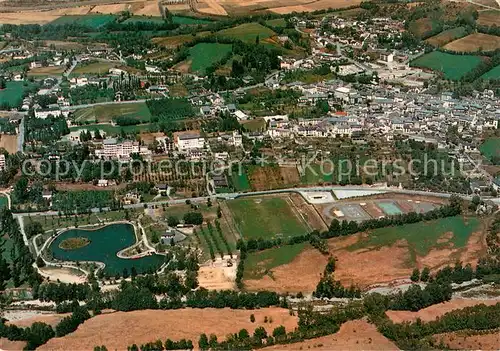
{"x":492,"y":74}
{"x":266,"y":218}
{"x":3,"y":201}
{"x":12,"y":95}
{"x":240,"y":181}
{"x":151,"y":19}
{"x":247,"y":32}
{"x":188,"y":20}
{"x":107,"y":113}
{"x":314,"y":175}
{"x":93,"y":68}
{"x":258,"y":264}
{"x":278,"y":22}
{"x":421,"y":237}
{"x":453,"y":67}
{"x":490,"y":148}
{"x":94,"y":21}
{"x":204,"y":55}
{"x":423,"y":26}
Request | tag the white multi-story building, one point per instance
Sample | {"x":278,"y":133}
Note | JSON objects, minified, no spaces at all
{"x":2,"y":162}
{"x":111,"y":148}
{"x":185,"y":142}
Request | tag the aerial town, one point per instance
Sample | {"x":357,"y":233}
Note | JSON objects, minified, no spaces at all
{"x":220,"y":174}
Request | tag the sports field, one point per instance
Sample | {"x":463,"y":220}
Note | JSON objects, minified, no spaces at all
{"x":446,"y":36}
{"x":453,"y":67}
{"x":94,"y":21}
{"x":491,"y":147}
{"x":422,"y":237}
{"x":266,"y":217}
{"x":107,"y":113}
{"x":492,"y":74}
{"x":247,"y":32}
{"x":204,"y":55}
{"x":259,"y":264}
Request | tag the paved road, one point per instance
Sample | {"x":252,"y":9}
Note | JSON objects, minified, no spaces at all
{"x":20,"y":138}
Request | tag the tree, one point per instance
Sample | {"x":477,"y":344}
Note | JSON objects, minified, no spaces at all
{"x":172,"y":221}
{"x":195,"y":218}
{"x":260,"y":333}
{"x":424,"y":276}
{"x":415,"y":276}
{"x":38,"y":334}
{"x":252,"y":318}
{"x":279,"y":331}
{"x":203,"y":342}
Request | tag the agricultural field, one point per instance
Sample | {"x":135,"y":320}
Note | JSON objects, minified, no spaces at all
{"x":94,"y":21}
{"x":189,"y":20}
{"x":12,"y":95}
{"x":489,"y":18}
{"x":475,"y":42}
{"x":387,"y":254}
{"x":204,"y":55}
{"x":240,"y":181}
{"x":107,"y":113}
{"x":452,"y":66}
{"x":494,"y":73}
{"x":151,"y":19}
{"x":247,"y":32}
{"x":278,"y":22}
{"x":490,"y":148}
{"x":176,"y":40}
{"x":446,"y":36}
{"x":267,"y":217}
{"x":118,"y":330}
{"x":272,"y":177}
{"x":46,"y":71}
{"x":93,"y":68}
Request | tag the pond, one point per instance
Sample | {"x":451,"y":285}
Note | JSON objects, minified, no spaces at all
{"x":105,"y":243}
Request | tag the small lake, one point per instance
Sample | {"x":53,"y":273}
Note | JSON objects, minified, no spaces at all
{"x":105,"y":243}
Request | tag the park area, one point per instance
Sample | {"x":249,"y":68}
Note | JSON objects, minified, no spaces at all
{"x":267,"y":217}
{"x":106,"y":113}
{"x":452,"y":66}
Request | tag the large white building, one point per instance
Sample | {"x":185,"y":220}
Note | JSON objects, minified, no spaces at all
{"x":186,"y":142}
{"x":2,"y":162}
{"x":111,"y":148}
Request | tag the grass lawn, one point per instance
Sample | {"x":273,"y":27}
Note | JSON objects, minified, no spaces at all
{"x":491,"y":147}
{"x":453,"y":67}
{"x":240,"y":181}
{"x":106,"y":113}
{"x":258,"y":264}
{"x":94,"y":21}
{"x":423,"y":236}
{"x":247,"y":32}
{"x":278,"y":22}
{"x":314,"y":175}
{"x":13,"y":93}
{"x":265,"y":218}
{"x":204,"y":55}
{"x":494,"y":73}
{"x":93,"y":68}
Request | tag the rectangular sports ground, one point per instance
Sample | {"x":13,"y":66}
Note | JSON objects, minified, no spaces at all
{"x":266,"y":217}
{"x":452,"y":66}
